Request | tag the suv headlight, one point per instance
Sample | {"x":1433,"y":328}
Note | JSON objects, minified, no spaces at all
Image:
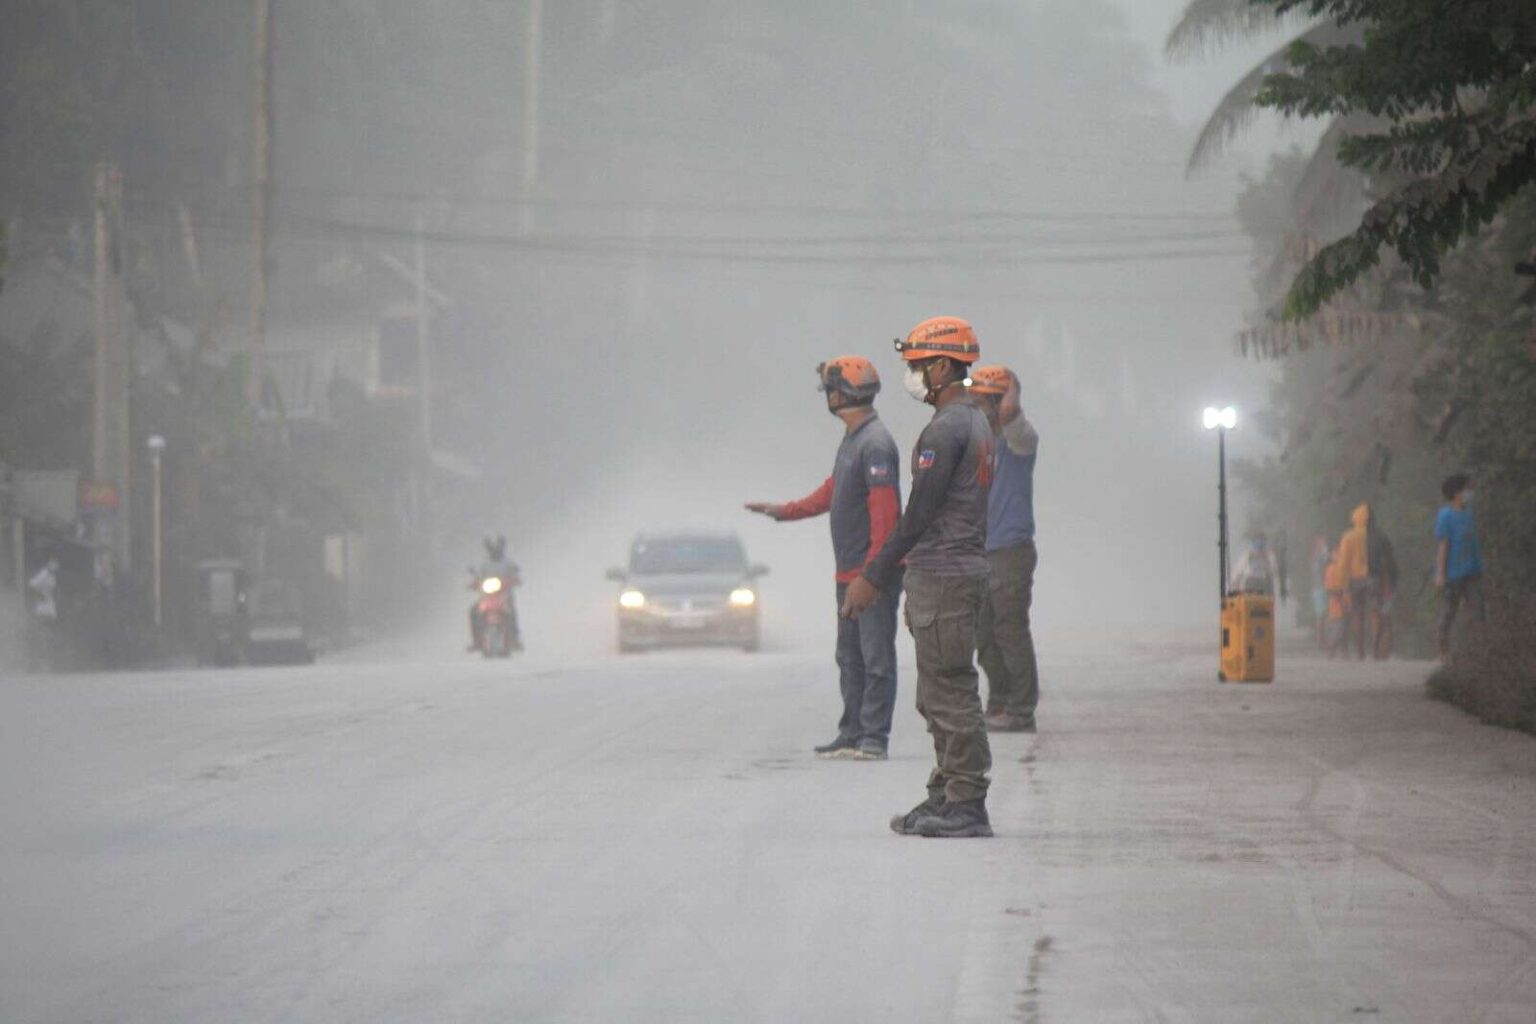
{"x":743,"y":597}
{"x":631,"y":599}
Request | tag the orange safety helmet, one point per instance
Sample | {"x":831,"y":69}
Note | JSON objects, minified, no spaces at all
{"x":851,"y":376}
{"x":991,"y":380}
{"x":947,"y":336}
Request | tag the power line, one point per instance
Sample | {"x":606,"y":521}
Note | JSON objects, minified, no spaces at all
{"x":887,"y":250}
{"x":516,"y":243}
{"x":947,"y":214}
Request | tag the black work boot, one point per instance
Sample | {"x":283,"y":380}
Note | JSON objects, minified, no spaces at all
{"x":906,"y":824}
{"x":958,"y":819}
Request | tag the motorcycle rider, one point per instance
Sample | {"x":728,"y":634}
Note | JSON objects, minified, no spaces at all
{"x":943,"y":538}
{"x":863,"y":495}
{"x":496,"y":566}
{"x":1005,"y":646}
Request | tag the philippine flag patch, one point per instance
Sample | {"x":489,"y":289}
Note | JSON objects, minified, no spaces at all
{"x":879,"y":471}
{"x":925,"y":460}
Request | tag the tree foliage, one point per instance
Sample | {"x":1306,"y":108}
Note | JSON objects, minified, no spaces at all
{"x":1453,"y":87}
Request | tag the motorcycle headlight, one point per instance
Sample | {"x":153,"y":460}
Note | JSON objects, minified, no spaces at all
{"x":491,"y":585}
{"x":742,"y":597}
{"x":631,"y":599}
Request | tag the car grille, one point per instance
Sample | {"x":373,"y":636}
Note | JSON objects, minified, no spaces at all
{"x":685,"y":605}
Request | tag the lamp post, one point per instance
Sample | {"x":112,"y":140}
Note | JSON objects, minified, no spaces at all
{"x":1221,"y":420}
{"x":156,"y":445}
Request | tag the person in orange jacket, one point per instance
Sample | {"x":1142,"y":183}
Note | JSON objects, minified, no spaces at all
{"x":1355,"y":563}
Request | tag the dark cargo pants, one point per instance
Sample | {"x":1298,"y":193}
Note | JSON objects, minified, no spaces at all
{"x":866,"y":665}
{"x":942,"y":613}
{"x":1006,"y":647}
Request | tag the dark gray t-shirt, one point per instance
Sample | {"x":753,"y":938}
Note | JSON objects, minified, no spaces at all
{"x":944,"y":529}
{"x":866,"y":460}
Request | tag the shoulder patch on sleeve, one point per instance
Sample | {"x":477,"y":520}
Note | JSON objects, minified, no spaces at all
{"x":925,"y":458}
{"x":880,"y":472}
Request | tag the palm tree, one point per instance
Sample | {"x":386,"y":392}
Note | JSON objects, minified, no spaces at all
{"x":1327,"y":188}
{"x":1327,"y":191}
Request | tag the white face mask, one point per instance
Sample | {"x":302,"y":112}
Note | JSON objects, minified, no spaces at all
{"x":916,"y":384}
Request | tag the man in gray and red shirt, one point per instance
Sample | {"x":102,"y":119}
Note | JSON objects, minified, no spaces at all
{"x":863,"y":498}
{"x":943,"y":539}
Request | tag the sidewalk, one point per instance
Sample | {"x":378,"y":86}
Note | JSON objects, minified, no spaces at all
{"x":1332,"y":846}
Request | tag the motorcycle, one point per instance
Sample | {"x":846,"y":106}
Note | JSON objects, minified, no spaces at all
{"x":497,"y":630}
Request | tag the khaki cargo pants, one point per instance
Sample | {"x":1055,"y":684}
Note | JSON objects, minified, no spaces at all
{"x":1006,"y":646}
{"x":942,"y":613}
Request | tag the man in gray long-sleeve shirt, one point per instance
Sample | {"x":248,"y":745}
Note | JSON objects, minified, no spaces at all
{"x":942,"y":537}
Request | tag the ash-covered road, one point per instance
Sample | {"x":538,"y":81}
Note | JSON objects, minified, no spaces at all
{"x":649,"y":839}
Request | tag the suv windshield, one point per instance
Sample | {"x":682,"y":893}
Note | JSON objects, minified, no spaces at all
{"x":687,"y":555}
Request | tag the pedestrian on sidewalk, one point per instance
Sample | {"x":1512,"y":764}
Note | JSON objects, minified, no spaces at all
{"x":943,"y":538}
{"x":1321,"y":556}
{"x":1282,"y":552}
{"x":1256,"y":571}
{"x":1336,"y":626}
{"x":863,"y":498}
{"x":1458,"y":556}
{"x":1354,"y":548}
{"x":1005,"y":646}
{"x":1382,"y":559}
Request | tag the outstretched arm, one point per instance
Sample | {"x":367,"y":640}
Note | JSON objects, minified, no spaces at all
{"x":816,"y":503}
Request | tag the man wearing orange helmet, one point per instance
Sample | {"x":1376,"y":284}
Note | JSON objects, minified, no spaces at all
{"x":1006,"y":649}
{"x":943,"y":539}
{"x":863,"y":497}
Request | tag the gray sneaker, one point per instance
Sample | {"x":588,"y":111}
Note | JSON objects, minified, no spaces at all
{"x":960,"y":819}
{"x":906,"y":824}
{"x":840,"y":747}
{"x":869,"y":752}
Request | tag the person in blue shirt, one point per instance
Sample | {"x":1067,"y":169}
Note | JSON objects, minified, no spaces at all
{"x":1005,"y":646}
{"x":1458,"y":558}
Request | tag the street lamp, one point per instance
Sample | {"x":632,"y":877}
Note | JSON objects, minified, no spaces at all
{"x":1221,"y":420}
{"x":156,"y":445}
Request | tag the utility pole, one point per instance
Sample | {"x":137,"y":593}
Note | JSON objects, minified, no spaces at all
{"x":19,"y":540}
{"x":423,"y":341}
{"x":531,"y":87}
{"x":111,"y":454}
{"x":104,"y":326}
{"x":156,"y":445}
{"x":189,"y":245}
{"x":262,"y":156}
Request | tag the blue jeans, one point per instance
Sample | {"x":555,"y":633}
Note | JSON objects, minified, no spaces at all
{"x":866,"y":664}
